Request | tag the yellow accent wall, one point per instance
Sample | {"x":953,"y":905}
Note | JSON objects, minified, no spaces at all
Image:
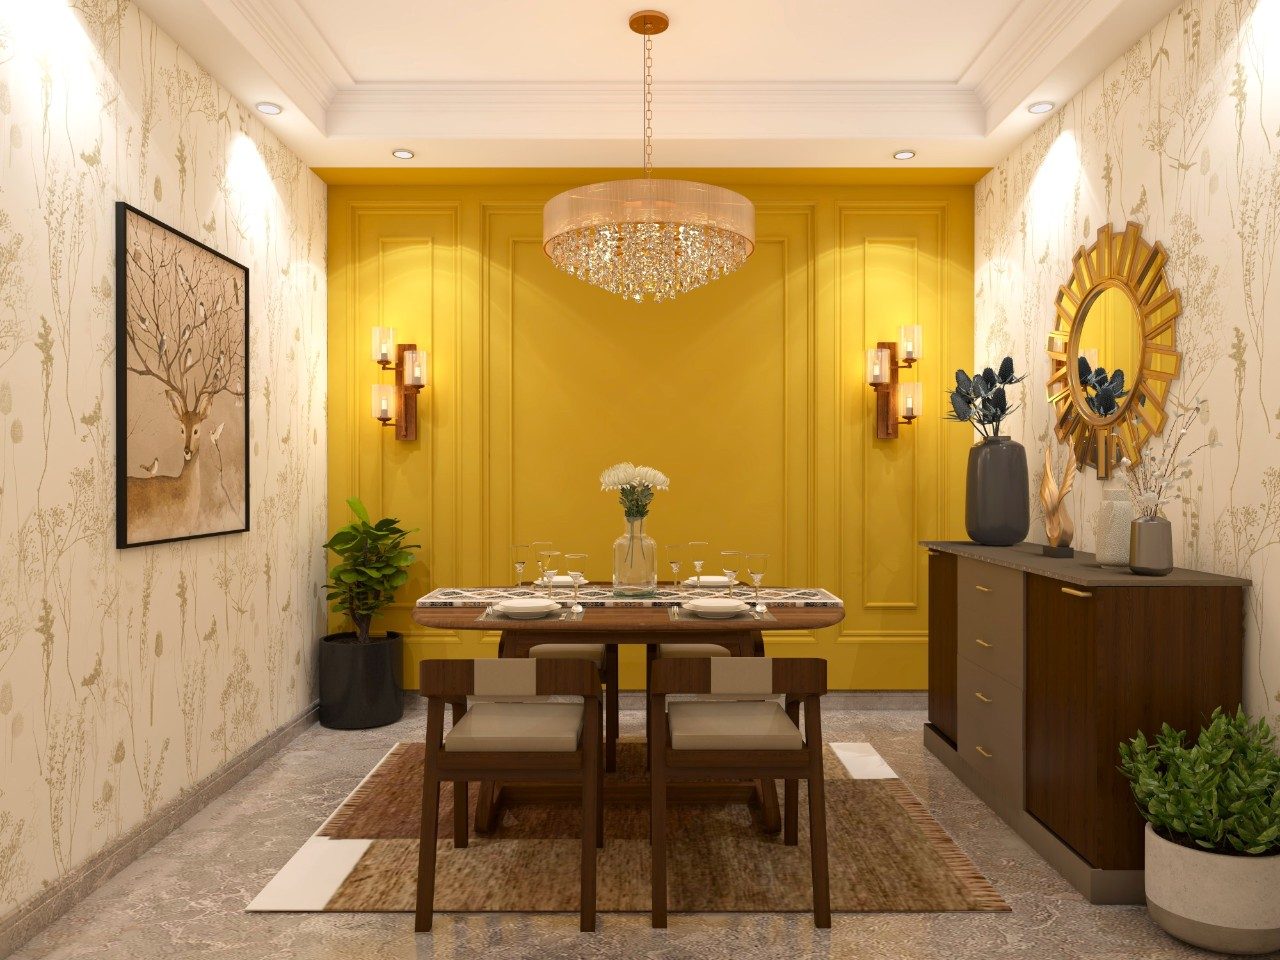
{"x":749,"y":393}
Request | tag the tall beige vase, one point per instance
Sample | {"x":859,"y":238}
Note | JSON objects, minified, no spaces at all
{"x":1111,"y":525}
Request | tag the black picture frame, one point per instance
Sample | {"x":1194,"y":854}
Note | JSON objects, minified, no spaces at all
{"x":124,"y":211}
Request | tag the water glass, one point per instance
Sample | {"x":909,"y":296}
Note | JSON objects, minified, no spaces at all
{"x":731,"y":563}
{"x":698,"y":556}
{"x":756,"y":564}
{"x":519,"y":558}
{"x":573,"y":565}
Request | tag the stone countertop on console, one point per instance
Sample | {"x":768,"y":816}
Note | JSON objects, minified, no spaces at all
{"x":1082,"y":569}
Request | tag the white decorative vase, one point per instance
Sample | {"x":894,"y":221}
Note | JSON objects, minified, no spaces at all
{"x":1111,"y":525}
{"x":1213,"y":900}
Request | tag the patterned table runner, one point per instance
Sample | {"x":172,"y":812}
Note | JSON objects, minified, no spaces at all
{"x":601,"y":595}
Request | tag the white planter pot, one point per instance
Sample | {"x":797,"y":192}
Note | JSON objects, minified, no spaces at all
{"x":1219,"y":902}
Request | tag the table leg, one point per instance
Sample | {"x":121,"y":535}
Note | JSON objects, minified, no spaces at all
{"x":767,"y":794}
{"x":611,"y":707}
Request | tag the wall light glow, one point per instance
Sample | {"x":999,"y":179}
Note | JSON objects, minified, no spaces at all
{"x":250,"y":189}
{"x":1052,"y":189}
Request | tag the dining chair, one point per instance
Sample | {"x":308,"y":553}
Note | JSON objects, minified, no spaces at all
{"x":704,"y":740}
{"x":605,"y":657}
{"x":510,"y":740}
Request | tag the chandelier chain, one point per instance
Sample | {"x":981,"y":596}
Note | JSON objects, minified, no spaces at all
{"x":648,"y":106}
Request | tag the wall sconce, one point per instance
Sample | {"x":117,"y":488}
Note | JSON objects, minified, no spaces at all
{"x":893,"y":396}
{"x":397,"y":405}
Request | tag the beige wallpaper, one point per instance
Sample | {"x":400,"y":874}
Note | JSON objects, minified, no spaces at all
{"x":1183,"y":136}
{"x":126,"y":677}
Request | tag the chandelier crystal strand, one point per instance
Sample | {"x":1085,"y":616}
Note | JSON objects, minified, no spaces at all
{"x":648,"y":239}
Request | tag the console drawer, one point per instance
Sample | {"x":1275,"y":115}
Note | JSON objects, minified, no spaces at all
{"x":990,"y":618}
{"x":990,"y":728}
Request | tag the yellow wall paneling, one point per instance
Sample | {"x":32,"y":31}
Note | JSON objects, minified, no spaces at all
{"x":749,"y":393}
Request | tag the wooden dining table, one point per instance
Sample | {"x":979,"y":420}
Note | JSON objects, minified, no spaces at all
{"x":648,"y":625}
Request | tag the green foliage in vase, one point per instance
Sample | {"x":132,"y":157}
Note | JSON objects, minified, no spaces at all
{"x":374,"y":561}
{"x":982,"y":399}
{"x":1221,"y":794}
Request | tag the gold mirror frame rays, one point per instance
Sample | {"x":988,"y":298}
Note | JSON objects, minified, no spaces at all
{"x":1126,"y":262}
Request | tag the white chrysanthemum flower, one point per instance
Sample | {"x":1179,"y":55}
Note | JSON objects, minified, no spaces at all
{"x":618,"y":476}
{"x":653,"y":477}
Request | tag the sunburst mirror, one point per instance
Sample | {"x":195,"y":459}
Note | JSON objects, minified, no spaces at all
{"x":1113,"y":352}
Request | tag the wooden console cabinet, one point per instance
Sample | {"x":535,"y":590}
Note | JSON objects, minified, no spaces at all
{"x":1039,"y":668}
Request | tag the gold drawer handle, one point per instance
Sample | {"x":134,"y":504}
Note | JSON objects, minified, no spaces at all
{"x":1077,"y":593}
{"x":982,"y":643}
{"x":981,"y":589}
{"x":983,"y":752}
{"x":982,"y":696}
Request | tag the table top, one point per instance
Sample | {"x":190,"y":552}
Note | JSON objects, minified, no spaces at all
{"x":1082,"y":569}
{"x":448,"y":613}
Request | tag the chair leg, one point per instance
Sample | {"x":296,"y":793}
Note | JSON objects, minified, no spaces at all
{"x":461,"y":795}
{"x":611,"y":707}
{"x":600,"y":805}
{"x":790,"y":812}
{"x":770,"y":820}
{"x":658,"y":830}
{"x":485,"y":810}
{"x":817,"y":814}
{"x":650,"y":654}
{"x":591,"y":767}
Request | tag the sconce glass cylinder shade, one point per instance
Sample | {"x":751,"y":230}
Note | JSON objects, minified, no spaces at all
{"x":415,"y":368}
{"x":877,"y":366}
{"x":384,"y":401}
{"x":909,"y":342}
{"x":909,"y":395}
{"x":384,"y":344}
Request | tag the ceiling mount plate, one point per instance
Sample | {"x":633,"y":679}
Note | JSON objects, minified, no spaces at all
{"x":649,"y":22}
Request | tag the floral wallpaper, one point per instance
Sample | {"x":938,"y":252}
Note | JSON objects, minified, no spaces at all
{"x":1182,"y":135}
{"x":128,"y":676}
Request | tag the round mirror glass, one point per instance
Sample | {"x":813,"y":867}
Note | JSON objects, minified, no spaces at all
{"x":1108,"y":353}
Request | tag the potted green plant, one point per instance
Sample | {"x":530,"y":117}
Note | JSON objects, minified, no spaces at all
{"x":1213,"y":831}
{"x":997,"y":507}
{"x":360,"y":672}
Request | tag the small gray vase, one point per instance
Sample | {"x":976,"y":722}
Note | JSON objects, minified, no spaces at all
{"x":1151,"y":546}
{"x":997,"y":508}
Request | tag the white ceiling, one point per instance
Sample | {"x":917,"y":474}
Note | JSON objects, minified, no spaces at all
{"x":750,"y":83}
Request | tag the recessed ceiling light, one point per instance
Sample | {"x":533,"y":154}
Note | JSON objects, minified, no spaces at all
{"x":1040,"y":106}
{"x":269,"y":108}
{"x":402,"y":154}
{"x":904,"y":155}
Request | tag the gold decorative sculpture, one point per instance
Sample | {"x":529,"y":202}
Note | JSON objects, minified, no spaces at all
{"x":1116,"y":314}
{"x":1053,"y":496}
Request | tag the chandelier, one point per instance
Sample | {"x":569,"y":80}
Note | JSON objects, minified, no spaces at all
{"x":648,"y":238}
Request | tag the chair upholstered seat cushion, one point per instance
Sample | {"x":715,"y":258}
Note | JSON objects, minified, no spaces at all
{"x":511,"y":727}
{"x":669,"y":651}
{"x":569,"y":651}
{"x":731,"y":725}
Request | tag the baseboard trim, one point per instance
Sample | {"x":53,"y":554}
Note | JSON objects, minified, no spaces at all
{"x":20,"y":925}
{"x":835,"y":700}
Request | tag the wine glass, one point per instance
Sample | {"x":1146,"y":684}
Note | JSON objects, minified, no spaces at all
{"x":519,"y":557}
{"x":731,"y":563}
{"x":697,"y":556}
{"x":673,"y":551}
{"x":573,"y":564}
{"x":536,"y":547}
{"x":549,"y":561}
{"x":756,"y":563}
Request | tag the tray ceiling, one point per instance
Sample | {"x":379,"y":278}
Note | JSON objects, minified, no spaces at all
{"x":750,"y":83}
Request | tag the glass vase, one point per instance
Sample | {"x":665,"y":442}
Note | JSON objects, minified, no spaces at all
{"x":635,"y":562}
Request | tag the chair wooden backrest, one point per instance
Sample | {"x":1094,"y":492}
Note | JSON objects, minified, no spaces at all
{"x":455,"y":680}
{"x":794,"y":677}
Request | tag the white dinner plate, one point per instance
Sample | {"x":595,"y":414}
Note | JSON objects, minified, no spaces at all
{"x":559,"y":580}
{"x":716,"y":608}
{"x":522,"y":608}
{"x":708,"y":580}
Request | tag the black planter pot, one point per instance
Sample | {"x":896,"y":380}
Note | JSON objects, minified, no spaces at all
{"x":997,"y":506}
{"x":360,"y":683}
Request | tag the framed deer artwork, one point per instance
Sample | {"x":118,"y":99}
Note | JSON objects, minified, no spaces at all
{"x":182,"y":371}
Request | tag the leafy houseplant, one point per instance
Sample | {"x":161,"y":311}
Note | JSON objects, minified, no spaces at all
{"x":360,"y":674}
{"x":1213,"y":831}
{"x":374,"y":562}
{"x":997,"y":496}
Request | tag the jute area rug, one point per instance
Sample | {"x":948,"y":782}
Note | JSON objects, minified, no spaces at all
{"x":887,"y":854}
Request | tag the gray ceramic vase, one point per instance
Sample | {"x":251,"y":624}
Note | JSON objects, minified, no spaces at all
{"x":997,"y":508}
{"x":1151,"y":546}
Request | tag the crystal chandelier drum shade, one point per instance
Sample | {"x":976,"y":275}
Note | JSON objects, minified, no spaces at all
{"x":649,"y":239}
